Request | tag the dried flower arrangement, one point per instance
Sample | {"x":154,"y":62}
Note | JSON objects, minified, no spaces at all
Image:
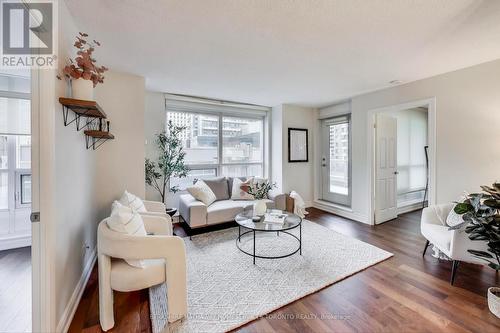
{"x":84,"y":65}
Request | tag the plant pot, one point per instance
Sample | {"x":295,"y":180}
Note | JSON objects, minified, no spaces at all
{"x":171,"y":211}
{"x":82,"y":89}
{"x":259,"y":207}
{"x":494,"y":300}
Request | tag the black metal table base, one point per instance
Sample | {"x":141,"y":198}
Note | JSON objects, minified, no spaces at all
{"x":254,"y":255}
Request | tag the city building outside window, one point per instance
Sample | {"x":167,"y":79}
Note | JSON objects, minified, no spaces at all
{"x":220,"y":145}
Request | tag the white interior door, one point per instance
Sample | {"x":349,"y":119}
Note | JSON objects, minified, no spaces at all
{"x":386,"y":168}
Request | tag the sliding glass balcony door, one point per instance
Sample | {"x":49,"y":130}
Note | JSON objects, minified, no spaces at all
{"x":336,"y":160}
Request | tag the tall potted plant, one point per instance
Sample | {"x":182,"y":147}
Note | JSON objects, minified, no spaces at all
{"x":170,"y":162}
{"x":481,"y":215}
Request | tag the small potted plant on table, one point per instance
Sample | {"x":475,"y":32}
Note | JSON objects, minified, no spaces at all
{"x":259,"y":191}
{"x":170,"y":163}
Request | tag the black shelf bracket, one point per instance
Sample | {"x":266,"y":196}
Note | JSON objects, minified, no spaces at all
{"x":94,"y":143}
{"x":77,"y":118}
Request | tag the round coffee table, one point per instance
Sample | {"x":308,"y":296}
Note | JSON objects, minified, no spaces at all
{"x":245,"y":220}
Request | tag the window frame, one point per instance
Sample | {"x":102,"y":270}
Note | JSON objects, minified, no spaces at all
{"x":220,"y":154}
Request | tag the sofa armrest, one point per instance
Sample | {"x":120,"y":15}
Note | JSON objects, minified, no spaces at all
{"x":278,"y":198}
{"x":194,"y":212}
{"x":154,"y":206}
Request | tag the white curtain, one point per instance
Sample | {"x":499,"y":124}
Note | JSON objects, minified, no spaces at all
{"x":412,"y":138}
{"x":15,"y":113}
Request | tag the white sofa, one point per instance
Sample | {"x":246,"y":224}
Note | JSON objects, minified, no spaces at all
{"x":453,"y":243}
{"x":197,"y":215}
{"x":165,"y":261}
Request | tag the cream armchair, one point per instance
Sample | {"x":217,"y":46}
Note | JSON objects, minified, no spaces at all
{"x":157,"y":208}
{"x":165,"y":261}
{"x":453,"y":243}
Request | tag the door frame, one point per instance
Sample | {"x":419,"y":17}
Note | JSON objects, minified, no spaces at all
{"x":323,"y":148}
{"x":430,"y":104}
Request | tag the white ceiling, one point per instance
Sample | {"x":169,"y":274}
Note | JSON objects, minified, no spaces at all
{"x":308,"y":52}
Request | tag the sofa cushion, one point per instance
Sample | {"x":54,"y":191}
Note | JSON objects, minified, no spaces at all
{"x":230,"y":183}
{"x":238,"y":192}
{"x":454,"y":219}
{"x":127,"y":221}
{"x":219,"y":187}
{"x":224,"y":211}
{"x":126,"y":278}
{"x":130,"y":200}
{"x":200,"y":191}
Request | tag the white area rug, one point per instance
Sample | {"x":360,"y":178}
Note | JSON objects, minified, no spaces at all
{"x":226,"y":290}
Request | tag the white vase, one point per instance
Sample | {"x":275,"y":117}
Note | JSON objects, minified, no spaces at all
{"x":494,"y":301}
{"x":82,"y":89}
{"x":259,"y":207}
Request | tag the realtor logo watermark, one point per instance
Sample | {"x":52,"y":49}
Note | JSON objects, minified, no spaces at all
{"x":29,"y":34}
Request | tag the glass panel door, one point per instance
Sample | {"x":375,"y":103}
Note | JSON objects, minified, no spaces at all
{"x":335,"y":160}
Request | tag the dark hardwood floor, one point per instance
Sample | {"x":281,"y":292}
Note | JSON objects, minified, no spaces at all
{"x":15,"y":290}
{"x":406,"y":293}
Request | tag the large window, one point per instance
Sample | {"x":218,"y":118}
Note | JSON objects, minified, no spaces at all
{"x":217,"y":144}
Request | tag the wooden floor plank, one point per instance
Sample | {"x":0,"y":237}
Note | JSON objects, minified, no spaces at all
{"x":406,"y":293}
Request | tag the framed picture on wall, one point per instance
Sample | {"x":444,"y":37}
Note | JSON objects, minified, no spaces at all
{"x":298,"y":150}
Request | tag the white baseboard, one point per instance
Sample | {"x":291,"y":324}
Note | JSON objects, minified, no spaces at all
{"x":410,"y":208}
{"x":15,"y":242}
{"x":72,"y":305}
{"x":340,"y":211}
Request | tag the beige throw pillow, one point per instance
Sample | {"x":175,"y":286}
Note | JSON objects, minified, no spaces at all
{"x":132,"y":201}
{"x":126,"y":221}
{"x":238,"y":191}
{"x":201,"y":192}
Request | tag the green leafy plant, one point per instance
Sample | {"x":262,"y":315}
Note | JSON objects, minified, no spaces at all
{"x":170,"y":161}
{"x":259,"y":190}
{"x":481,"y":215}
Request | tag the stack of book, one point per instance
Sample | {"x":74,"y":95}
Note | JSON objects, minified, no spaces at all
{"x":275,"y":216}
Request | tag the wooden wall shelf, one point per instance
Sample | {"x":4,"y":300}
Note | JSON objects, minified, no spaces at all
{"x":90,"y":110}
{"x":83,"y":108}
{"x":95,"y":139}
{"x":93,"y":114}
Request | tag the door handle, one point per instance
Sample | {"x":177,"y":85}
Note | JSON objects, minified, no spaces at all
{"x":396,"y":172}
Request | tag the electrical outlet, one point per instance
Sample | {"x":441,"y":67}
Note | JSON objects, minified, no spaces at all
{"x":85,"y":248}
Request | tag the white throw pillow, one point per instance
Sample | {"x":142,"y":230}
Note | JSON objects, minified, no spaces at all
{"x":237,"y":193}
{"x":201,"y":192}
{"x":124,"y":220}
{"x":453,"y":218}
{"x":132,"y":201}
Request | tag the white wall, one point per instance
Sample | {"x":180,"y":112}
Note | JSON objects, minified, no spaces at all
{"x":120,"y":162}
{"x":75,"y":169}
{"x":154,"y":123}
{"x":87,"y":181}
{"x":467,"y":153}
{"x":295,"y":176}
{"x":277,"y":146}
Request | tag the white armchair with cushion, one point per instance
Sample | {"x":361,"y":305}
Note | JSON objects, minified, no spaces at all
{"x":453,"y":243}
{"x":163,"y":257}
{"x":145,"y":207}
